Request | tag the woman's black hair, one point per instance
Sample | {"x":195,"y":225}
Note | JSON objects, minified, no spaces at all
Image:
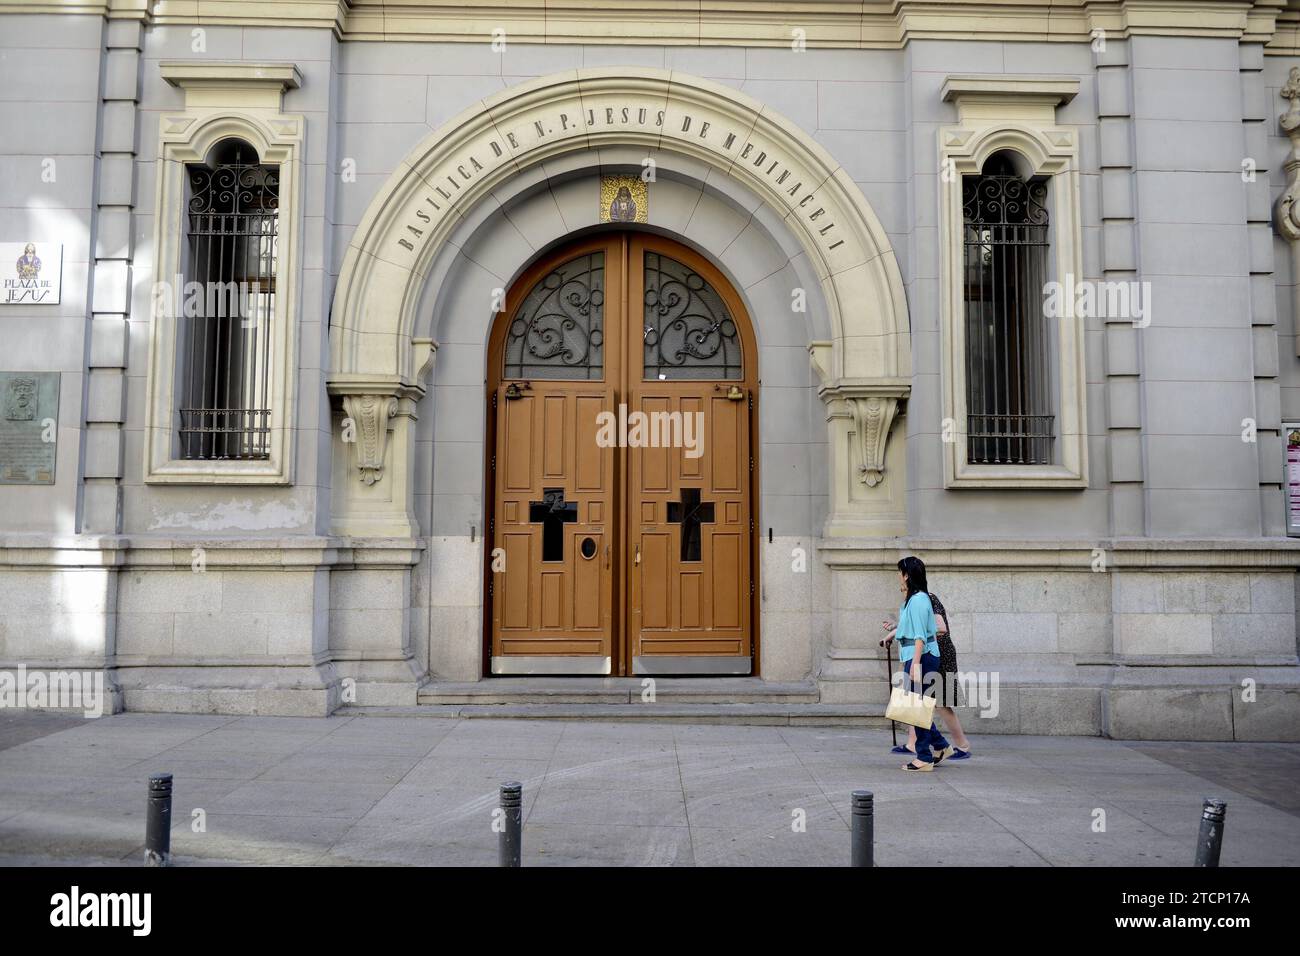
{"x":913,"y":568}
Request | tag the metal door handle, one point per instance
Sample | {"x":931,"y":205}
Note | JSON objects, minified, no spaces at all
{"x":638,"y":555}
{"x":606,"y":555}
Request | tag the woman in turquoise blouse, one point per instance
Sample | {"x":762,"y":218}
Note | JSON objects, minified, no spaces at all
{"x":918,"y":651}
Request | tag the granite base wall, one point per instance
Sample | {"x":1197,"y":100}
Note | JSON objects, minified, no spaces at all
{"x":302,"y":627}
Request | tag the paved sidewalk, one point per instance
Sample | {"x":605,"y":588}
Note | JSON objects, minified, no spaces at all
{"x":356,"y":790}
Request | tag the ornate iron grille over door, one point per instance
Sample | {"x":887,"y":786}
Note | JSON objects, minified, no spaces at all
{"x":228,"y":306}
{"x":689,"y":333}
{"x":1008,"y":387}
{"x":557,"y":332}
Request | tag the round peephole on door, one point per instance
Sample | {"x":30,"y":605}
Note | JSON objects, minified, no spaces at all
{"x":588,"y":548}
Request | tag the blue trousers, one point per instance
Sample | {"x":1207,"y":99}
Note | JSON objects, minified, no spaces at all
{"x":926,"y":739}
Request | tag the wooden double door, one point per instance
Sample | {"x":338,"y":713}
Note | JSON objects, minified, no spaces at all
{"x":623,"y":392}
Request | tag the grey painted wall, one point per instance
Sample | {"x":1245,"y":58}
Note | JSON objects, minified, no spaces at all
{"x":50,"y":101}
{"x":1163,"y":124}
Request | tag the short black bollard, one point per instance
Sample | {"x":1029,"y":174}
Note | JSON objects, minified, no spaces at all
{"x":158,"y":823}
{"x":1210,"y":840}
{"x":864,"y":828}
{"x":510,"y":844}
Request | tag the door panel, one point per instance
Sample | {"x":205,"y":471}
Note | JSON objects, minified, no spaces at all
{"x":664,"y":585}
{"x":554,"y":494}
{"x":689,"y":607}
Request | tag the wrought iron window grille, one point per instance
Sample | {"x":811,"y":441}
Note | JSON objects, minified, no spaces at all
{"x":232,"y":238}
{"x":1008,"y":337}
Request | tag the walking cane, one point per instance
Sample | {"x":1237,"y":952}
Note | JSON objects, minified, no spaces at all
{"x":893,"y":724}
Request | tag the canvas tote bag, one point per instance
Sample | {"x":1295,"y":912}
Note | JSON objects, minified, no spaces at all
{"x":909,"y":707}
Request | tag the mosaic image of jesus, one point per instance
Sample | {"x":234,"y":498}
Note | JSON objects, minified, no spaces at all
{"x":623,"y":207}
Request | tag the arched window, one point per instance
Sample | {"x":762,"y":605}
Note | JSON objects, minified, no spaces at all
{"x":230,"y":258}
{"x":1006,"y":245}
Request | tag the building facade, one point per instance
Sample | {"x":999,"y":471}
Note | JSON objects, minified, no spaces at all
{"x":321,"y":383}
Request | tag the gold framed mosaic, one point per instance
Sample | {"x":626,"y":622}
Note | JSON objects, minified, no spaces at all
{"x":623,"y":199}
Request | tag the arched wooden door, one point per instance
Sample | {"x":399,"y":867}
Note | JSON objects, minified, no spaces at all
{"x":622,"y":383}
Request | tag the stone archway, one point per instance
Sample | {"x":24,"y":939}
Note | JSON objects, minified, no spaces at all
{"x":377,"y":365}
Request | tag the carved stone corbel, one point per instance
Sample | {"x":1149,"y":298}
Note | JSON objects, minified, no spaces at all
{"x":369,"y":415}
{"x":1287,"y":211}
{"x":1288,"y":215}
{"x":871,"y":406}
{"x":872,"y":419}
{"x":860,"y":415}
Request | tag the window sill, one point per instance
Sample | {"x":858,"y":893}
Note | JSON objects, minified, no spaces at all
{"x":185,"y":472}
{"x":1015,"y":476}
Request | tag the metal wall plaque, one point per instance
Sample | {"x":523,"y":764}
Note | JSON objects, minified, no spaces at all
{"x":31,"y":272}
{"x":29,"y":427}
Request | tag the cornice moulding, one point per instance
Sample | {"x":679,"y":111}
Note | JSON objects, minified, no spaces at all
{"x":999,"y":87}
{"x":1134,"y":554}
{"x":839,"y":24}
{"x":223,"y":84}
{"x":187,"y":73}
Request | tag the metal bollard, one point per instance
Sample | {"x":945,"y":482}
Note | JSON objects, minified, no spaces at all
{"x":510,"y":844}
{"x":158,"y":822}
{"x":864,"y":828}
{"x":1210,"y":840}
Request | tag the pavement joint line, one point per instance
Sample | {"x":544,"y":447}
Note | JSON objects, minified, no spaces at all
{"x":1060,"y":772}
{"x":686,"y":807}
{"x":811,"y":776}
{"x":1270,"y":749}
{"x":257,"y":776}
{"x":198,"y":736}
{"x":550,"y":760}
{"x":329,"y":849}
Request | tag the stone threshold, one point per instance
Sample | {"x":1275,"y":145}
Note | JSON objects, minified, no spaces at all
{"x":758,"y":714}
{"x":622,"y":691}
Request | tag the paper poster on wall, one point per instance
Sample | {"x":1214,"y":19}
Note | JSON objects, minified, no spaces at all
{"x":32,"y":272}
{"x":1291,"y":430}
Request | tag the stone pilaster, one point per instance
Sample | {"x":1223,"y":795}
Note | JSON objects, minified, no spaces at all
{"x":1119,"y":264}
{"x":1256,"y":114}
{"x":110,"y":298}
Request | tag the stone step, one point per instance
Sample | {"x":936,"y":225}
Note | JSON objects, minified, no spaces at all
{"x":622,"y":691}
{"x":872,"y":693}
{"x":860,"y":640}
{"x":841,"y":669}
{"x":766,"y":714}
{"x":858,"y":654}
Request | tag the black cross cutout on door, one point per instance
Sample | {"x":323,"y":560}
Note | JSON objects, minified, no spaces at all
{"x":554,"y":513}
{"x":690,"y":512}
